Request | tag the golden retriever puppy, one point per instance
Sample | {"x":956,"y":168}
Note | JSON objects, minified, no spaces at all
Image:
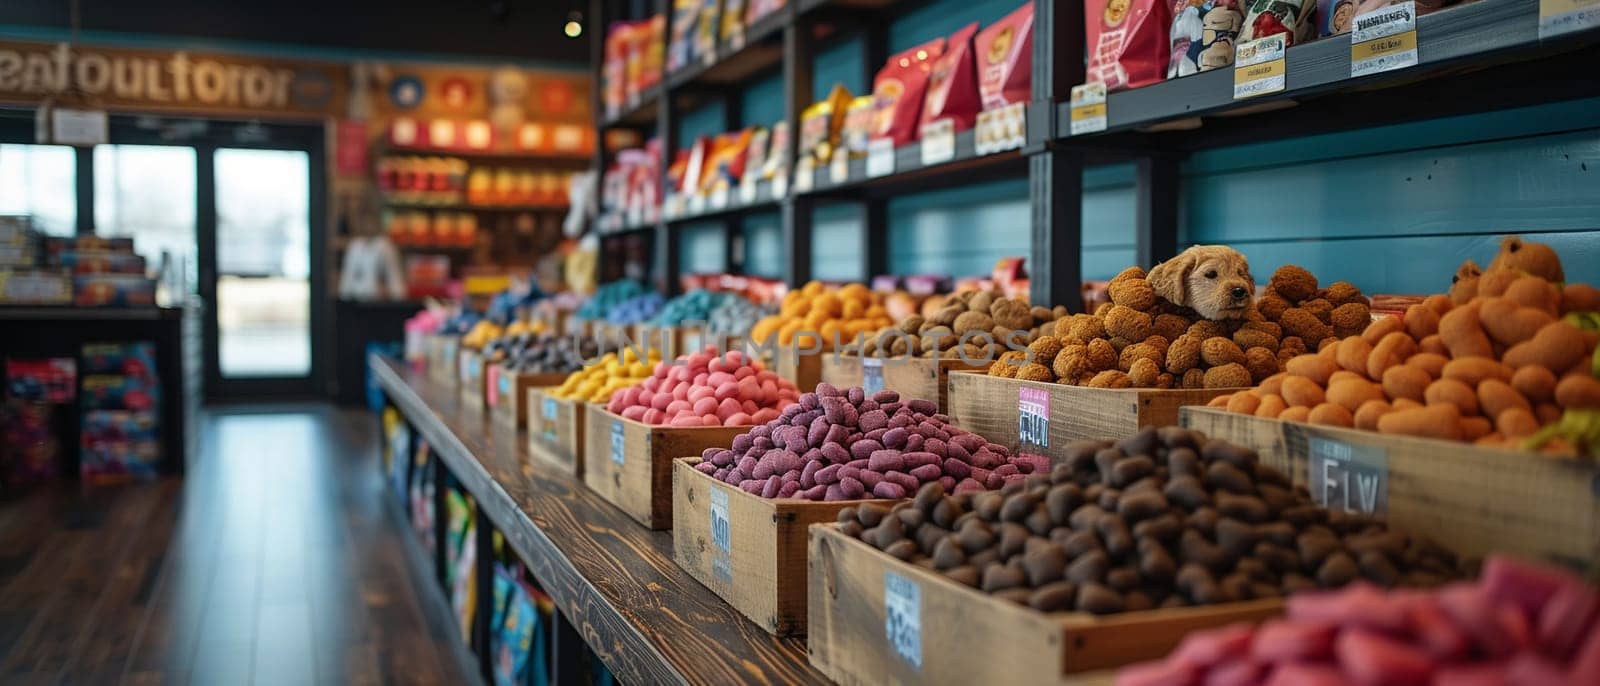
{"x":1213,"y":280}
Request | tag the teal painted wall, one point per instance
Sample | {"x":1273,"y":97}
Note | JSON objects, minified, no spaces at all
{"x":705,"y":120}
{"x":840,"y":63}
{"x":761,"y":104}
{"x":702,"y":247}
{"x":763,"y":245}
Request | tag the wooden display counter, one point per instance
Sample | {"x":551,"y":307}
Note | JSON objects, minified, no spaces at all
{"x":614,"y":580}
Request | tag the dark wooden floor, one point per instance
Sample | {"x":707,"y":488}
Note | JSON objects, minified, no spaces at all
{"x":273,"y":562}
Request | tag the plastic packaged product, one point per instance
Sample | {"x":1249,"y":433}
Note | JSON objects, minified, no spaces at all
{"x":1272,"y":17}
{"x":705,"y":29}
{"x":858,"y":125}
{"x":726,"y":163}
{"x":681,"y":50}
{"x":777,"y":160}
{"x":755,"y":154}
{"x":732,"y":24}
{"x":1004,"y":51}
{"x":953,"y":83}
{"x":898,"y":91}
{"x":1127,"y":42}
{"x":820,"y":124}
{"x":1333,"y":16}
{"x":1203,"y":35}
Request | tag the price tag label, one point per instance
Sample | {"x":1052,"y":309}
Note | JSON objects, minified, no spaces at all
{"x":1557,"y":17}
{"x":1384,"y":39}
{"x":805,"y":176}
{"x":548,"y":411}
{"x":1258,"y":67}
{"x":839,"y":167}
{"x":503,"y":382}
{"x":617,"y":455}
{"x":1088,"y":108}
{"x":1354,"y":478}
{"x":697,"y":203}
{"x":747,"y":191}
{"x":871,"y":374}
{"x":780,"y":185}
{"x":719,"y":197}
{"x":709,"y":58}
{"x":721,"y":537}
{"x":1033,"y":420}
{"x":736,"y":40}
{"x":938,"y":142}
{"x":880,"y":157}
{"x":902,"y":617}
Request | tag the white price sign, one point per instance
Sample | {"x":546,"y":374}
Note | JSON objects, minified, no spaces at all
{"x":938,"y":142}
{"x":1558,"y":17}
{"x":1088,"y":108}
{"x":805,"y":176}
{"x":617,"y":451}
{"x":1258,"y":67}
{"x":697,"y":203}
{"x":839,"y":168}
{"x":902,"y":617}
{"x":747,"y":191}
{"x":880,"y":157}
{"x":719,"y":197}
{"x":721,"y":536}
{"x":1384,"y":39}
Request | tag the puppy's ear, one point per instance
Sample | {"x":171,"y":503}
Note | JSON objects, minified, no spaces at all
{"x":1170,"y":279}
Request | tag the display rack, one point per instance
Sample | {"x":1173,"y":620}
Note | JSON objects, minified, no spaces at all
{"x":1481,"y":56}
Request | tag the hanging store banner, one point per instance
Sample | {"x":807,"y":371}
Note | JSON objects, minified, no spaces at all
{"x":172,"y":80}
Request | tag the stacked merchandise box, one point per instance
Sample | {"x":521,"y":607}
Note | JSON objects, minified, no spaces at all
{"x":22,"y":280}
{"x":121,"y":406}
{"x":105,"y":271}
{"x":35,"y":396}
{"x":519,"y":629}
{"x":397,"y":441}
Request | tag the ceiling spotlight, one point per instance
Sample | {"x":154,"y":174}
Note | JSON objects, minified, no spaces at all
{"x":574,"y":26}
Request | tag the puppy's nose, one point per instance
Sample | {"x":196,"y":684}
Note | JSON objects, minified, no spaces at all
{"x":1240,"y":292}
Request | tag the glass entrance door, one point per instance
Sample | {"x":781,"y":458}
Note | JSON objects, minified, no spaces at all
{"x":263,"y":264}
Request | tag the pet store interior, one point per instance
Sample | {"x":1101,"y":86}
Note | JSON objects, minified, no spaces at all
{"x":517,"y":342}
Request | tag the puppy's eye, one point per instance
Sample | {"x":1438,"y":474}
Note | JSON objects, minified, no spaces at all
{"x":1212,"y":274}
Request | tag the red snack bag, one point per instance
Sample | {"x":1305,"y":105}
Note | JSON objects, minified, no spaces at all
{"x":1004,"y":52}
{"x":953,"y":84}
{"x":898,"y":89}
{"x":1127,"y":41}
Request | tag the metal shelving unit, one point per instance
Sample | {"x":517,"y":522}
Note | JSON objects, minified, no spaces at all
{"x":1481,"y":56}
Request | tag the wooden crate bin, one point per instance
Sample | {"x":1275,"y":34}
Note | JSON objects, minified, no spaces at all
{"x":758,"y":564}
{"x":506,"y":393}
{"x":804,"y":370}
{"x":470,"y":377}
{"x":911,"y":377}
{"x":555,"y":429}
{"x":629,"y":463}
{"x":987,"y":406}
{"x":1472,"y":500}
{"x":961,"y":635}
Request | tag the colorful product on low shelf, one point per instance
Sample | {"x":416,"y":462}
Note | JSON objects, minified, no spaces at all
{"x":461,"y":557}
{"x":30,"y":452}
{"x":899,"y":89}
{"x":121,"y":406}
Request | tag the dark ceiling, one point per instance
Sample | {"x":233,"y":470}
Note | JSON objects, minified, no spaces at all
{"x":518,"y":29}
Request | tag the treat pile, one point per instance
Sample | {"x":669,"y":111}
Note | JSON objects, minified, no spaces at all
{"x":1518,"y":624}
{"x":843,"y":445}
{"x":1164,"y":518}
{"x":706,"y":389}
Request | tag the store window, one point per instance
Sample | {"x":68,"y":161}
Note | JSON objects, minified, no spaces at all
{"x":148,"y":192}
{"x":263,"y":262}
{"x":40,"y":181}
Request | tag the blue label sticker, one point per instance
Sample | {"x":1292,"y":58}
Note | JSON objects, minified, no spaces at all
{"x":902,"y":617}
{"x":721,"y":537}
{"x":549,"y":412}
{"x":616,"y":443}
{"x":871,"y":374}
